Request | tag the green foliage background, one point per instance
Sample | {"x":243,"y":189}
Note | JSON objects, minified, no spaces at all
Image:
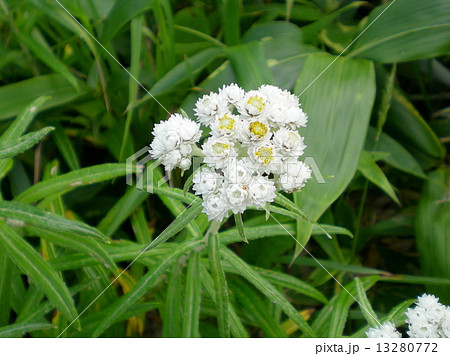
{"x":379,"y":128}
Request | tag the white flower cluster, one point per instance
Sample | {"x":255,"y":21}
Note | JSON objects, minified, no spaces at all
{"x":174,"y":142}
{"x":387,"y":330}
{"x":428,"y":319}
{"x":253,"y":148}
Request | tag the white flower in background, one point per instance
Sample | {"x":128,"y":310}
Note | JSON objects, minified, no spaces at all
{"x":253,"y":147}
{"x":262,"y":190}
{"x":206,"y":181}
{"x":215,"y":206}
{"x":386,"y":330}
{"x":294,"y":175}
{"x":288,"y":142}
{"x":232,"y":93}
{"x":210,"y":106}
{"x":218,"y":151}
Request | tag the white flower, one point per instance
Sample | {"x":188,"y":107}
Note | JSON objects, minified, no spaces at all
{"x":218,"y":151}
{"x":237,"y":196}
{"x":208,"y":107}
{"x":433,"y":309}
{"x":445,"y":323}
{"x":215,"y":206}
{"x":254,"y":131}
{"x":171,"y":159}
{"x":265,"y":158}
{"x":254,"y":103}
{"x":289,"y":142}
{"x":206,"y":181}
{"x":294,"y":176}
{"x":262,"y":190}
{"x":237,"y":171}
{"x":386,"y":330}
{"x":416,"y":315}
{"x":232,"y":93}
{"x":225,"y":125}
{"x":424,"y":330}
{"x":188,"y":130}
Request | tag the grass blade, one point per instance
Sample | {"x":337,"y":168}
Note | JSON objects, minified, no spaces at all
{"x":39,"y":271}
{"x":364,"y":304}
{"x":192,"y":297}
{"x":24,"y":143}
{"x":13,"y":330}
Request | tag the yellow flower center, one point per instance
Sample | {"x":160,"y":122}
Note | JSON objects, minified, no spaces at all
{"x":219,"y":148}
{"x":258,"y":129}
{"x":265,"y":154}
{"x":226,"y":123}
{"x":257,"y":102}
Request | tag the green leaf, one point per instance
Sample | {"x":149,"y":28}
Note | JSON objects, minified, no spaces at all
{"x":173,"y":307}
{"x":23,"y":120}
{"x":253,"y":304}
{"x":121,"y":13}
{"x":192,"y":297}
{"x":369,"y":169}
{"x":398,"y":157}
{"x":22,"y":328}
{"x":249,"y":64}
{"x":406,"y":124}
{"x":405,"y":30}
{"x":65,"y":147}
{"x":45,"y":54}
{"x":18,"y":95}
{"x":23,"y":143}
{"x":46,"y":220}
{"x":432,"y":229}
{"x":267,"y":289}
{"x":70,"y":181}
{"x":220,"y":284}
{"x":142,"y":286}
{"x":349,"y":86}
{"x":230,"y":18}
{"x":6,"y":270}
{"x":39,"y":271}
{"x":364,"y":305}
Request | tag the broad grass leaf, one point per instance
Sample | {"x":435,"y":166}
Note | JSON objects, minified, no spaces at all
{"x":338,"y":102}
{"x":432,"y":229}
{"x":407,"y":30}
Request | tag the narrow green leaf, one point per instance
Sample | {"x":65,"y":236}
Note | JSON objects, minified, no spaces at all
{"x":364,"y":305}
{"x":6,"y":269}
{"x":69,"y":181}
{"x":23,"y":143}
{"x":142,"y":286}
{"x":39,"y":271}
{"x":65,"y":147}
{"x":220,"y":284}
{"x":192,"y":297}
{"x":23,"y":120}
{"x":267,"y":289}
{"x":121,"y":13}
{"x":14,"y":329}
{"x":18,"y":95}
{"x":46,"y":56}
{"x":173,"y":306}
{"x":46,"y":220}
{"x":370,"y":170}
